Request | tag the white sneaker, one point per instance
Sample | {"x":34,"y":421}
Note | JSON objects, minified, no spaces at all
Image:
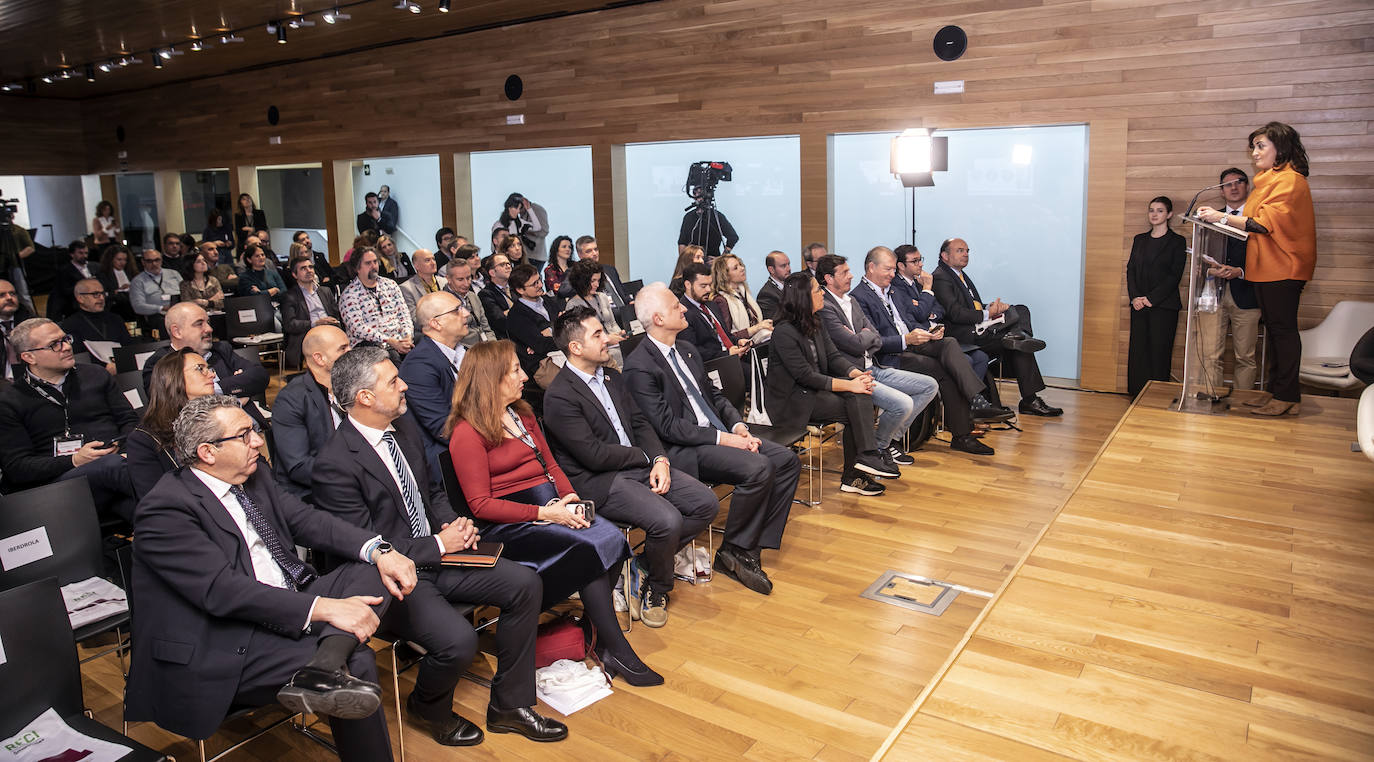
{"x":618,"y":598}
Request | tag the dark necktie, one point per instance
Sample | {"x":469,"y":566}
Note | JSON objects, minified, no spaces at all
{"x":410,"y":494}
{"x":724,"y":337}
{"x":297,"y":574}
{"x":694,"y":392}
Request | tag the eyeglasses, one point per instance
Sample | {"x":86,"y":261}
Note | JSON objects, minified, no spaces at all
{"x":90,"y":293}
{"x":245,"y":436}
{"x":914,"y":260}
{"x":57,"y":345}
{"x":154,"y":261}
{"x":504,"y":264}
{"x":203,"y":369}
{"x":459,"y":308}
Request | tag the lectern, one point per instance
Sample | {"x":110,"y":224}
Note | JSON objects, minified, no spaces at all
{"x":1209,"y":247}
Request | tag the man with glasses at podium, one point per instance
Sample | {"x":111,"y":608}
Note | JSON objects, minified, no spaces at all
{"x":1237,"y":310}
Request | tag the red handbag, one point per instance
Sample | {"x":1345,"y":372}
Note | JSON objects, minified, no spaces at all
{"x":560,"y":638}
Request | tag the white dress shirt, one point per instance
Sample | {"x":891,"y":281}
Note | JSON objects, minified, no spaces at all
{"x":374,"y":440}
{"x":847,"y":314}
{"x":702,"y":420}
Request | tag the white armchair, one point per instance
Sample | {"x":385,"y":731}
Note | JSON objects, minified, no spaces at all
{"x":1326,"y":348}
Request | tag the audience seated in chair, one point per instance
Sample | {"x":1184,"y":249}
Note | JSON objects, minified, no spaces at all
{"x":60,"y":420}
{"x":307,"y":304}
{"x":458,"y":275}
{"x":705,"y":330}
{"x":497,"y":295}
{"x":706,"y":437}
{"x":425,"y":281}
{"x":431,"y":368}
{"x":305,"y":414}
{"x":372,"y":474}
{"x":229,"y":616}
{"x":779,"y":267}
{"x":189,"y":326}
{"x":12,"y":313}
{"x":521,"y":497}
{"x":91,"y":321}
{"x":916,"y":286}
{"x":61,"y":303}
{"x":152,"y":291}
{"x":374,"y":310}
{"x":530,"y":320}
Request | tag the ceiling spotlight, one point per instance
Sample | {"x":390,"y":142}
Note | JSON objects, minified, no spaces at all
{"x":228,"y":38}
{"x":65,"y":74}
{"x":47,"y":79}
{"x":414,"y":7}
{"x":132,"y":60}
{"x":407,"y":5}
{"x":297,"y":23}
{"x":123,"y":62}
{"x":197,"y":46}
{"x":106,"y":66}
{"x":12,"y":87}
{"x":157,"y":60}
{"x":90,"y":73}
{"x":281,"y":33}
{"x":333,"y":16}
{"x":444,"y":5}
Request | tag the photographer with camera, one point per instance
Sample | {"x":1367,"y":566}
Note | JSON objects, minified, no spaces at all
{"x":704,"y":225}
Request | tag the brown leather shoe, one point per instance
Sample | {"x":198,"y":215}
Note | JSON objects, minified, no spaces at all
{"x":1259,"y":400}
{"x":1276,"y":408}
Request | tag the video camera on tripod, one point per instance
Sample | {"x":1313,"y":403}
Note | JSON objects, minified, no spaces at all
{"x":8,"y":208}
{"x":702,"y":179}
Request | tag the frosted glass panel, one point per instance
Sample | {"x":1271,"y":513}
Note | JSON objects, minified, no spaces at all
{"x":762,"y":201}
{"x":1015,"y":194}
{"x":558,"y":179}
{"x":413,"y":182}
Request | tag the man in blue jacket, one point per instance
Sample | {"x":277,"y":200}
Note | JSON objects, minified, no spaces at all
{"x":432,"y":366}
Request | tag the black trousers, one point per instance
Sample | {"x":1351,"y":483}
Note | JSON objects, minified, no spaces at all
{"x":274,"y":658}
{"x":427,"y":617}
{"x":765,"y":483}
{"x":955,"y":363}
{"x":1151,"y":353}
{"x":958,"y":416}
{"x":855,"y":411}
{"x":1023,"y":365}
{"x":670,"y":521}
{"x":1278,"y":303}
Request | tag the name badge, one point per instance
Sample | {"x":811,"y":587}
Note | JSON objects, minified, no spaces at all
{"x":63,"y":446}
{"x":166,"y":297}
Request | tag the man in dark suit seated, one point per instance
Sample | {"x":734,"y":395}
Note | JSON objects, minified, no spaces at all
{"x":706,"y":437}
{"x":530,"y":321}
{"x":458,"y":276}
{"x":496,"y":295}
{"x":305,"y":305}
{"x":59,"y":420}
{"x":304,"y":414}
{"x":372,"y":474}
{"x":1013,"y":339}
{"x":926,"y":352}
{"x":612,"y":456}
{"x":432,"y":366}
{"x":12,"y":313}
{"x":60,"y":301}
{"x":770,"y":293}
{"x":188,"y":325}
{"x":228,"y":614}
{"x":916,"y":286}
{"x":91,"y":321}
{"x":704,"y":328}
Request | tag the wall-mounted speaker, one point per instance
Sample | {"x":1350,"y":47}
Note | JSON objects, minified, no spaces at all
{"x":273,"y":115}
{"x":515,"y":87}
{"x":950,"y":43}
{"x":119,"y":133}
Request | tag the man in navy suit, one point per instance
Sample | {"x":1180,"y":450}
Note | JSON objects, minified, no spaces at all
{"x":770,"y":293}
{"x":915,"y":285}
{"x":432,"y":366}
{"x":705,"y":331}
{"x":305,"y":415}
{"x":228,"y":613}
{"x":706,"y":437}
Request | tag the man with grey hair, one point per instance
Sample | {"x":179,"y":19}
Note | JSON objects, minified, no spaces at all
{"x":432,"y":367}
{"x":372,"y":474}
{"x":459,"y":276}
{"x":12,"y":313}
{"x":227,"y":612}
{"x":424,"y":281}
{"x":151,"y":291}
{"x":188,"y":325}
{"x":61,"y":420}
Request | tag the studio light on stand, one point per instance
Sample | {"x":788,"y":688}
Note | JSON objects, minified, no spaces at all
{"x":916,"y":155}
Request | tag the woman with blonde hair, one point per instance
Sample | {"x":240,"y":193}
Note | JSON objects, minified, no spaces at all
{"x":730,"y":291}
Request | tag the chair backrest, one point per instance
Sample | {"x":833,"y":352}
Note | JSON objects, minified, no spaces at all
{"x":628,"y":345}
{"x":40,"y":668}
{"x":49,"y":531}
{"x":451,"y":486}
{"x":632,"y":287}
{"x":248,"y":353}
{"x":82,"y":358}
{"x":729,"y":370}
{"x":132,"y":356}
{"x":248,"y":315}
{"x":1364,"y":422}
{"x":131,"y":385}
{"x":1336,"y":335}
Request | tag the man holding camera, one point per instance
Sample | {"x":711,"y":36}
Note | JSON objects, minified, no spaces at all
{"x":704,"y":225}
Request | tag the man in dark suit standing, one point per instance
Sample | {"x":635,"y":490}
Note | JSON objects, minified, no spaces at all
{"x":391,"y":211}
{"x":1013,"y":339}
{"x":371,"y":217}
{"x":612,"y":456}
{"x":704,"y":329}
{"x":229,"y":615}
{"x":770,"y":293}
{"x":304,"y":414}
{"x":432,"y":366}
{"x":188,"y":325}
{"x":707,"y":438}
{"x":372,"y":475}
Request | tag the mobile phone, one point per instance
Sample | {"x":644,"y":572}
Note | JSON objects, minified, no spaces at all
{"x":935,"y":327}
{"x":584,"y":508}
{"x":117,"y":441}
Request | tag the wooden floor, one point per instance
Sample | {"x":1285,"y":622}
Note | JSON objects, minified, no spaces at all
{"x":812,"y":671}
{"x":1206,"y":593}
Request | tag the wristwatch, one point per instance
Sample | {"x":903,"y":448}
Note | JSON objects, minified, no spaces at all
{"x":383,"y":548}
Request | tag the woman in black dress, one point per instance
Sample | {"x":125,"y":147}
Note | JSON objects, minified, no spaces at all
{"x":1152,"y":276}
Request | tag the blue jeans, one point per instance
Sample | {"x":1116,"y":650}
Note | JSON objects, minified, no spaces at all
{"x":900,"y":396}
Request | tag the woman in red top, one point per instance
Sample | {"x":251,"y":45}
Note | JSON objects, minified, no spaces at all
{"x":521,"y":497}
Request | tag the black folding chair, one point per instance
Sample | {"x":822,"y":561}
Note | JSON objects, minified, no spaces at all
{"x":728,"y":372}
{"x":41,"y":671}
{"x":130,"y":384}
{"x":131,"y":357}
{"x":254,"y":316}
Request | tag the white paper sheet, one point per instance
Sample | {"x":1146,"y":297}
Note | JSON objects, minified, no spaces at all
{"x":101,"y":350}
{"x":48,"y":737}
{"x":93,"y":599}
{"x":135,"y":401}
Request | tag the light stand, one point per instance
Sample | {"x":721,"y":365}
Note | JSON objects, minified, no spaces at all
{"x":916,"y":155}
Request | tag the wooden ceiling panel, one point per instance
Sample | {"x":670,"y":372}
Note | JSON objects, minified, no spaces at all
{"x":42,"y":37}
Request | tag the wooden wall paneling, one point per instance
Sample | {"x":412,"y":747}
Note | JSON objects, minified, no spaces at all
{"x":1104,"y":285}
{"x":462,"y":200}
{"x":171,"y":211}
{"x":815,"y":198}
{"x":448,"y":193}
{"x":338,"y":207}
{"x":604,"y":203}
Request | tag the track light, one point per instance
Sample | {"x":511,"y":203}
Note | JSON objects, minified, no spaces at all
{"x":13,"y":87}
{"x":281,"y":33}
{"x":444,"y":5}
{"x":47,"y":79}
{"x":157,"y":60}
{"x":228,"y":38}
{"x":197,"y":46}
{"x":90,"y":73}
{"x":297,"y":23}
{"x":414,"y":7}
{"x":106,"y":66}
{"x":407,"y":5}
{"x":334,"y":16}
{"x":123,"y":62}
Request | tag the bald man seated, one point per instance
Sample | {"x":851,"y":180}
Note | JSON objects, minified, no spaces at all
{"x":432,"y":367}
{"x":189,"y":326}
{"x":305,"y":414}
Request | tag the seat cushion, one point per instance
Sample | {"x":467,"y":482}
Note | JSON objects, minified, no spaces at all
{"x":1330,"y":367}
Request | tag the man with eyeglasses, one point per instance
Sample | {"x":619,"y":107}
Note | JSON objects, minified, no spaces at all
{"x":305,"y":306}
{"x":230,"y":615}
{"x":60,"y":420}
{"x":496,"y":295}
{"x":1239,"y":312}
{"x":915,"y":285}
{"x":458,"y":275}
{"x":151,"y":292}
{"x":188,"y":325}
{"x":12,"y":313}
{"x":91,"y":321}
{"x":431,"y":368}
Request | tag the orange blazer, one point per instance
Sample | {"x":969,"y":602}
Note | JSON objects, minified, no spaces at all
{"x":1281,"y":201}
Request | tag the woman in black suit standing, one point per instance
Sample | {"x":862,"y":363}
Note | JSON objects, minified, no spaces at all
{"x":1152,"y":276}
{"x":808,"y":379}
{"x":248,"y":219}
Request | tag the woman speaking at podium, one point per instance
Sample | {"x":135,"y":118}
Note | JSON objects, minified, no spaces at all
{"x":1281,"y":253}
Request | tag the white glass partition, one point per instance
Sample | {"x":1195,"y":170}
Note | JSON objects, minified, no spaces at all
{"x":413,"y":183}
{"x":558,"y":179}
{"x":762,"y":201}
{"x":1016,"y":195}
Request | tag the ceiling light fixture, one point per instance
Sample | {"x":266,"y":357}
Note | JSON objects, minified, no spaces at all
{"x":47,"y":79}
{"x":414,"y":7}
{"x":334,"y":16}
{"x":106,"y":66}
{"x":90,"y":73}
{"x":444,"y":5}
{"x":197,"y":46}
{"x":281,"y":33}
{"x":228,"y":38}
{"x":157,"y":60}
{"x":298,"y":23}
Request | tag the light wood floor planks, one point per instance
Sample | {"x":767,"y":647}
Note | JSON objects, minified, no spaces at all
{"x":812,"y":671}
{"x":1206,"y":593}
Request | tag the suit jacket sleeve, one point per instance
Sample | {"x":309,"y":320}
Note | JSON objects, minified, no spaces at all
{"x":567,"y":415}
{"x":1170,"y":268}
{"x":246,"y":378}
{"x":768,"y":301}
{"x":650,"y":388}
{"x":428,"y":404}
{"x":295,"y":316}
{"x":837,"y":330}
{"x":788,"y":350}
{"x":495,"y":315}
{"x":643,"y":434}
{"x":869,"y":306}
{"x":525,"y":332}
{"x":928,"y":308}
{"x":949,"y":292}
{"x":837,"y":364}
{"x":292,"y":434}
{"x":337,"y":488}
{"x":143,"y":461}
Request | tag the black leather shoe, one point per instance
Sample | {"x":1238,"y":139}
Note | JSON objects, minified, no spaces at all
{"x":1037,"y":406}
{"x":454,"y":731}
{"x":641,"y":677}
{"x":527,"y":723}
{"x":330,"y":694}
{"x":873,"y":465}
{"x":1020,"y":342}
{"x":738,"y":566}
{"x":970,"y":444}
{"x":986,"y":412}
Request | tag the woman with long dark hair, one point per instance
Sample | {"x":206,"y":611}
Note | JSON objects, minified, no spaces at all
{"x":248,"y":219}
{"x":198,"y":284}
{"x":521,"y":497}
{"x":809,"y":380}
{"x":116,"y":272}
{"x":177,"y":378}
{"x":218,"y":232}
{"x":1280,"y":254}
{"x":560,"y":260}
{"x":1152,"y":275}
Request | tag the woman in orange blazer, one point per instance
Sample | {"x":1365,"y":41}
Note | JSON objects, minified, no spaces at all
{"x":1281,"y":253}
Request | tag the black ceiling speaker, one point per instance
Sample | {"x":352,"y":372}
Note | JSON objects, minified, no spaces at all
{"x":515,"y":87}
{"x":950,"y":43}
{"x":119,"y":133}
{"x":273,"y":115}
